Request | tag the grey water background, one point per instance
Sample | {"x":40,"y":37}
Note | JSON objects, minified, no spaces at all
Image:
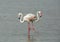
{"x":11,"y":30}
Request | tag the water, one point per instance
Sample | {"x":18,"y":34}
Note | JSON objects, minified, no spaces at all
{"x":13,"y":31}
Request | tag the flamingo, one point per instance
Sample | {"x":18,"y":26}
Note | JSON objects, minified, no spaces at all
{"x":30,"y":18}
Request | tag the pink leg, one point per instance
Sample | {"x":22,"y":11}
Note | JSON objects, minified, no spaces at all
{"x":33,"y":27}
{"x":28,"y":30}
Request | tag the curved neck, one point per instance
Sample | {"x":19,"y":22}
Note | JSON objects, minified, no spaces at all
{"x":37,"y":17}
{"x":21,"y":20}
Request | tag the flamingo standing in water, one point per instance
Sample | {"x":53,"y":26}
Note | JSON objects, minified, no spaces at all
{"x":30,"y":18}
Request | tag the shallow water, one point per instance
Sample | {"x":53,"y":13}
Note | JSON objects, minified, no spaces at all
{"x":11,"y":30}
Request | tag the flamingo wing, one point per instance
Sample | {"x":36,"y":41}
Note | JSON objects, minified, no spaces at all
{"x":29,"y":17}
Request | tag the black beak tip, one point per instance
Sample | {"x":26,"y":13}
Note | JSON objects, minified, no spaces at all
{"x":40,"y":16}
{"x":18,"y":18}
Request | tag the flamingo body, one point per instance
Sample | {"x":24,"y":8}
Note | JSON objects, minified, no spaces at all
{"x":29,"y":17}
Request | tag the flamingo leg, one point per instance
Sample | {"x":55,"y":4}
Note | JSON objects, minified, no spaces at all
{"x":33,"y":27}
{"x":28,"y":30}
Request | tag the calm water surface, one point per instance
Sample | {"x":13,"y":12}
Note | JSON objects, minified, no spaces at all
{"x":11,"y":30}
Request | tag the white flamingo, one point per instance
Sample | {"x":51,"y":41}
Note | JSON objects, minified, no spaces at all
{"x":29,"y":18}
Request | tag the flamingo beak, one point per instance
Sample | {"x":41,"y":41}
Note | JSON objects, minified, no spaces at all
{"x":41,"y":14}
{"x":19,"y":18}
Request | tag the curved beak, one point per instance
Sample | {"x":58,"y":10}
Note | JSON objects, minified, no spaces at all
{"x":41,"y":14}
{"x":19,"y":18}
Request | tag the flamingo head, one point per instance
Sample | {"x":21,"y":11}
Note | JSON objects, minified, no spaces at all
{"x":40,"y":13}
{"x":19,"y":15}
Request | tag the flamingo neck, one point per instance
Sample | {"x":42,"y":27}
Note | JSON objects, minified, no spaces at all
{"x":21,"y":20}
{"x":37,"y":17}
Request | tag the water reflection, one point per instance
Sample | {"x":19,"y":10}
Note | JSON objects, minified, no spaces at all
{"x":34,"y":37}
